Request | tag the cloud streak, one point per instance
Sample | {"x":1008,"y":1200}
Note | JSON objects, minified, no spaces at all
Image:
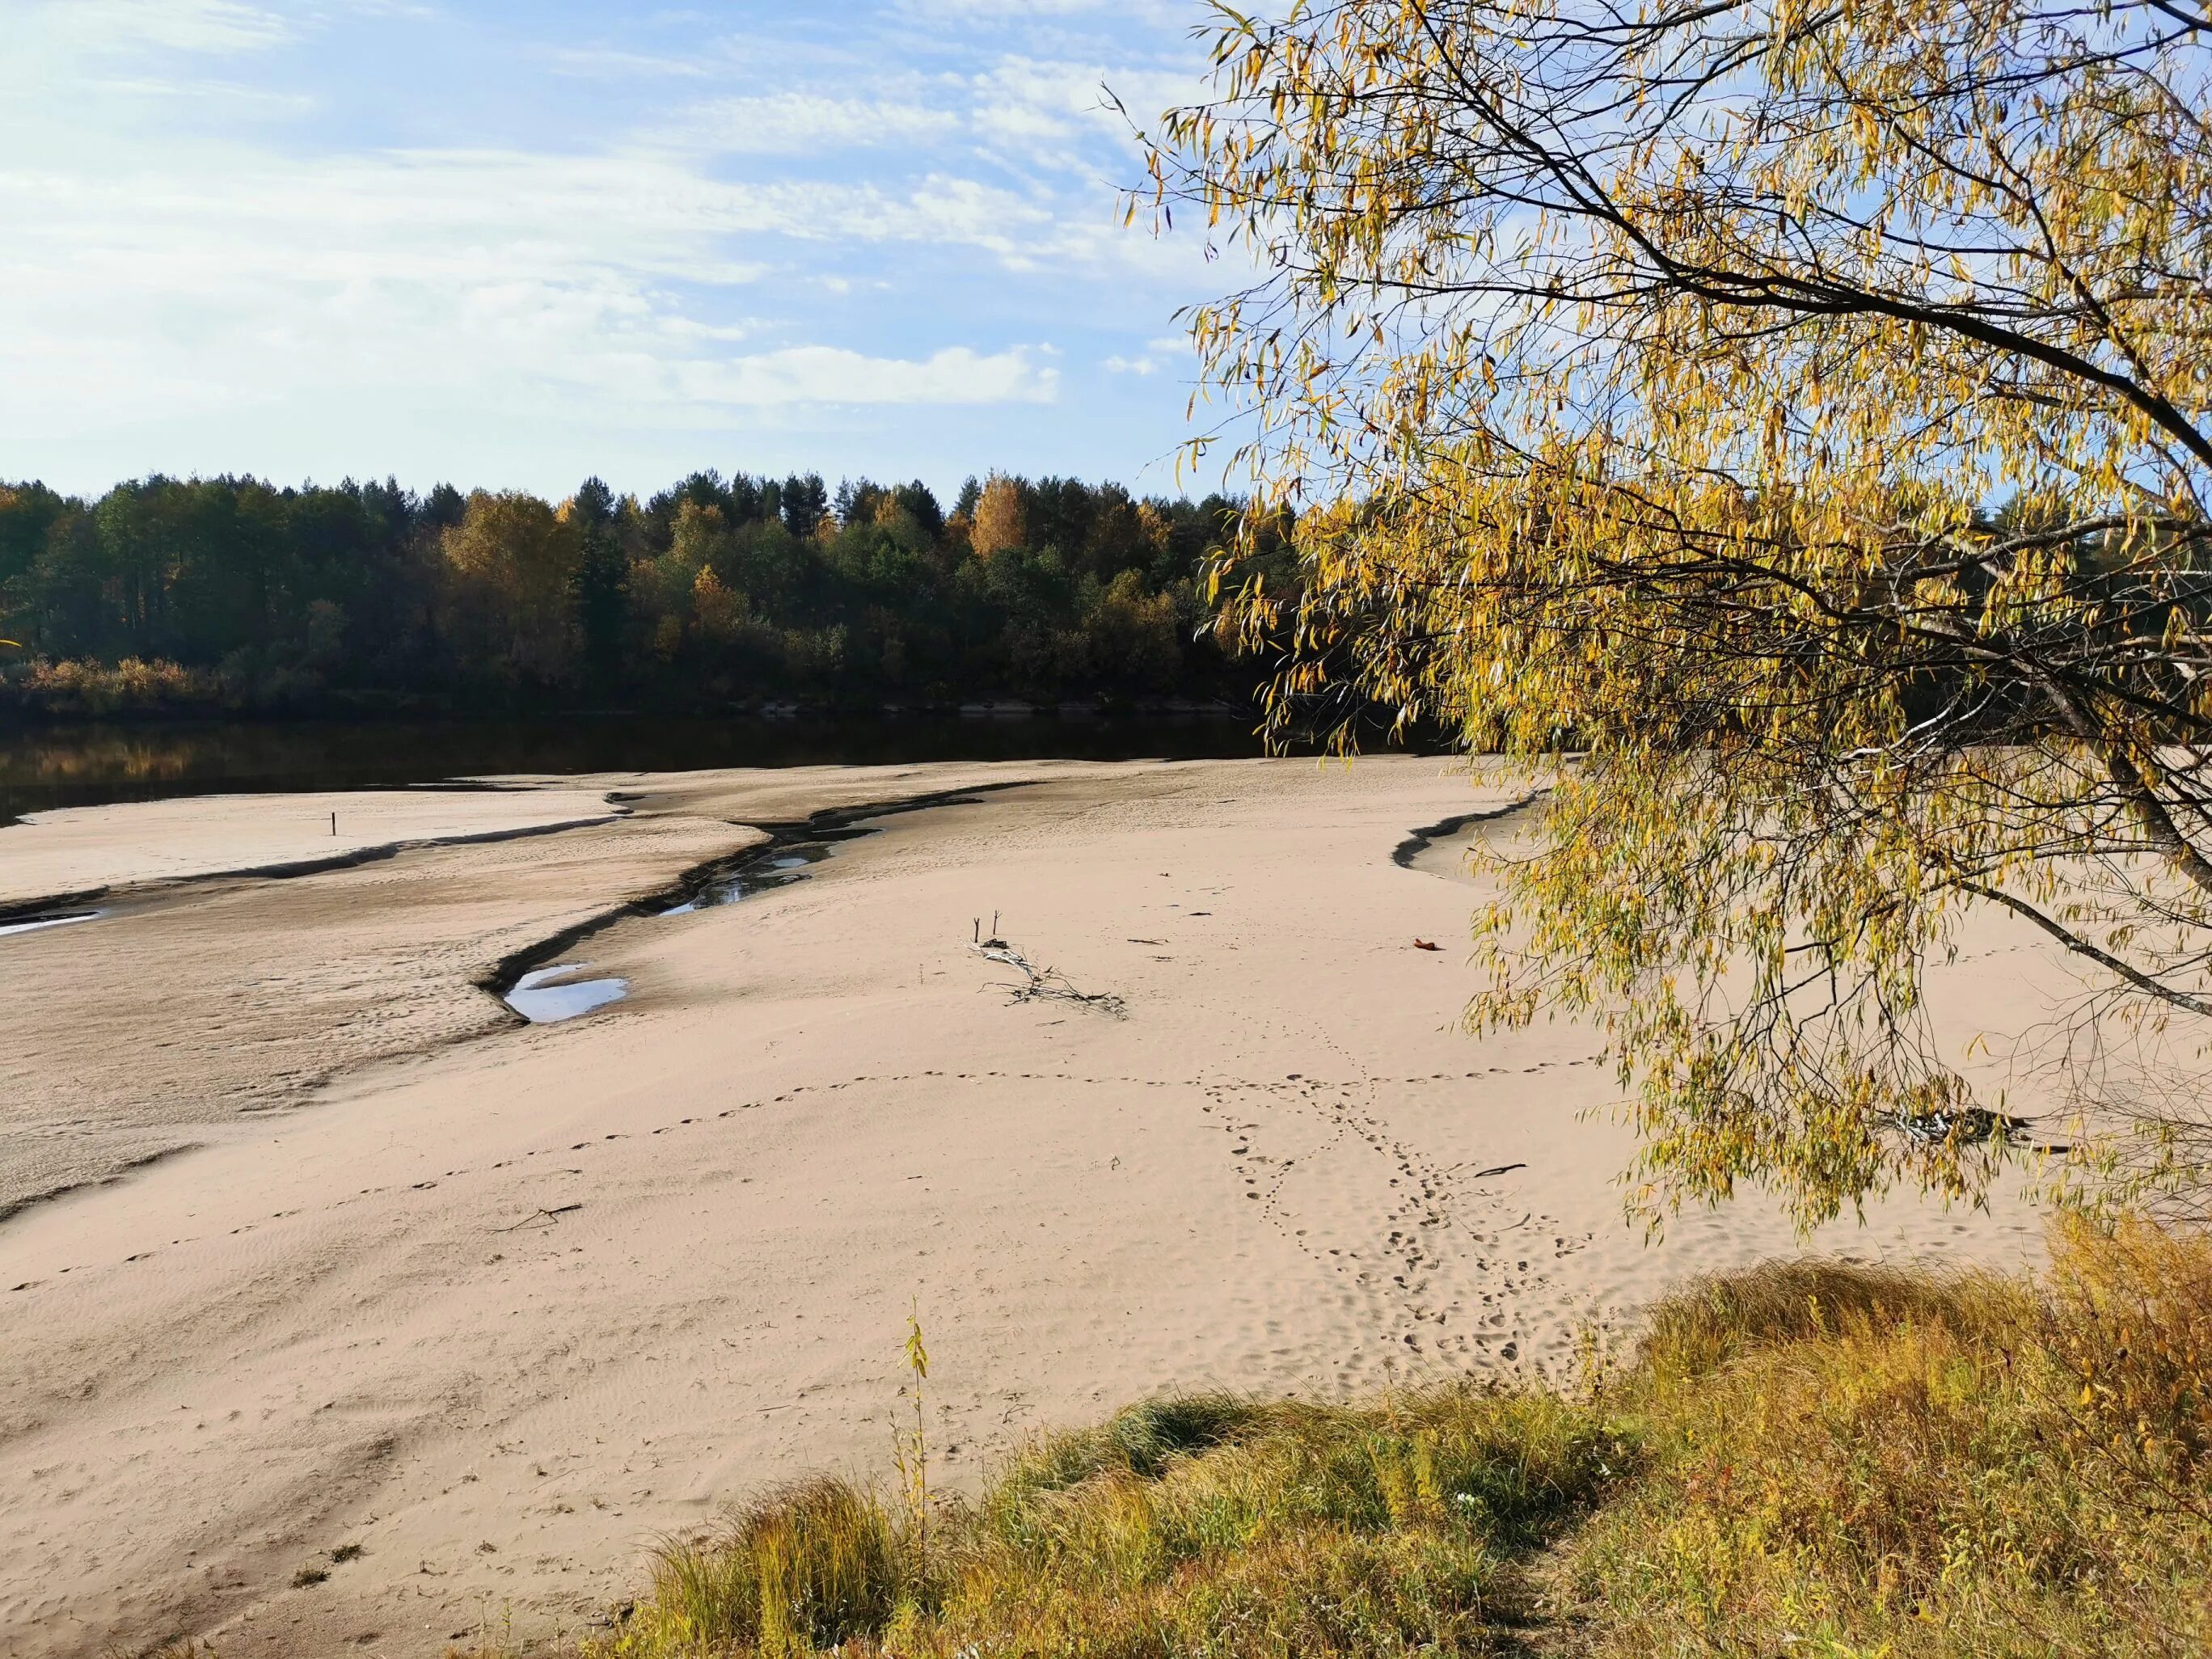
{"x":826,"y":375}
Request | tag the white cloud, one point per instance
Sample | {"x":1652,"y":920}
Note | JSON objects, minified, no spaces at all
{"x":1140,"y":367}
{"x":801,"y":123}
{"x":823,"y":374}
{"x":100,"y":27}
{"x":1019,"y":100}
{"x":602,"y":64}
{"x":491,"y":275}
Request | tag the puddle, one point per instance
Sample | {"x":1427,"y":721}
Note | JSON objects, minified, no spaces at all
{"x":547,"y":995}
{"x":755,"y":872}
{"x":40,"y":924}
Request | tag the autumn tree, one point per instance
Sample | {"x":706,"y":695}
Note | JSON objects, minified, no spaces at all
{"x":512,"y":561}
{"x":1000,"y":518}
{"x":1800,"y":413}
{"x":919,"y":503}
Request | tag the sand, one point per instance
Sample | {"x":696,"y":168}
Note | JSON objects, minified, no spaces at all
{"x":200,"y":997}
{"x":84,"y":850}
{"x":502,"y":1304}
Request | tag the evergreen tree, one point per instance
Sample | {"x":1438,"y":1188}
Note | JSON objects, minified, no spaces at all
{"x":805,"y":502}
{"x":599,"y":590}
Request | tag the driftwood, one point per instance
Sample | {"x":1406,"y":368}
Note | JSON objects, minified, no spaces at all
{"x":1972,"y":1125}
{"x":1040,"y":984}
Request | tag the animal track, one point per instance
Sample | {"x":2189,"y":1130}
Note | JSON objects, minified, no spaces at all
{"x":1395,"y":1272}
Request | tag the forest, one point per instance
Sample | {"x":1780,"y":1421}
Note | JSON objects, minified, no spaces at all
{"x":236,"y":594}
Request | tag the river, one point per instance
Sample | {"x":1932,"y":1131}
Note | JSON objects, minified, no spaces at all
{"x":46,"y":766}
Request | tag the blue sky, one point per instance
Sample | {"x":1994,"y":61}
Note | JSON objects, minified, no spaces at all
{"x":512,"y":242}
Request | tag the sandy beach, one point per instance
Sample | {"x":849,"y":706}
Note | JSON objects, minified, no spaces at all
{"x":314,"y":1243}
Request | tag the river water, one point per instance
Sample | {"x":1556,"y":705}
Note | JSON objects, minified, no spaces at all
{"x":43,"y":767}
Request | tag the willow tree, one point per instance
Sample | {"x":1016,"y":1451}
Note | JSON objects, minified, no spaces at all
{"x":1798,"y":412}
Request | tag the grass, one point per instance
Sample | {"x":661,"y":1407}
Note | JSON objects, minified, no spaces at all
{"x":1809,"y":1459}
{"x":1196,"y":1525}
{"x":1848,"y":1462}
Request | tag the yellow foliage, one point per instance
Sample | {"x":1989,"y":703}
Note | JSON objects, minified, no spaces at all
{"x":511,"y":559}
{"x":1802,"y":418}
{"x":1153,"y":525}
{"x":668,"y":636}
{"x":717,"y":612}
{"x":1001,"y":518}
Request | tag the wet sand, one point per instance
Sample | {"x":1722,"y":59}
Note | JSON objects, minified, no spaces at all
{"x":503,"y":1304}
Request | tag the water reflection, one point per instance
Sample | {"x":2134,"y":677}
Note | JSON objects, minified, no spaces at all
{"x":548,"y":995}
{"x":94,"y":765}
{"x":740,"y":878}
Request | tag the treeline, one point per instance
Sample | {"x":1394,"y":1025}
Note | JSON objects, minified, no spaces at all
{"x":718,"y":591}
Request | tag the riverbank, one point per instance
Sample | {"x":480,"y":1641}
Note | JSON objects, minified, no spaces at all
{"x":1804,"y":1458}
{"x":502,"y":1309}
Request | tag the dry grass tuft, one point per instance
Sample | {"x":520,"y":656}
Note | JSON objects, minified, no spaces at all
{"x":1964,"y":1467}
{"x":814,"y":1567}
{"x":1720,"y":1317}
{"x":1206,"y":1524}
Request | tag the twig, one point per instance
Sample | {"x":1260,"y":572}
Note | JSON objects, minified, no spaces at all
{"x":548,"y":1215}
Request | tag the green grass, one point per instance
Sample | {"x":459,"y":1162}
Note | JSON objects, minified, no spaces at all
{"x":1809,"y":1459}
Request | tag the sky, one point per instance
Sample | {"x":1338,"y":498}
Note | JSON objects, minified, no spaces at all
{"x":514,"y":243}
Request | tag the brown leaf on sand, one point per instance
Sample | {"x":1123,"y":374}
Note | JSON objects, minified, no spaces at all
{"x":1423,"y":944}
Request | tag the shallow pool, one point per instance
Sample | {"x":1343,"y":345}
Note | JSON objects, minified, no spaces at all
{"x":547,"y":995}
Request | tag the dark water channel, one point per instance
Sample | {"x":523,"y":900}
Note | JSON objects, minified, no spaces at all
{"x":545,"y":984}
{"x":741,"y":877}
{"x":546,"y":996}
{"x":43,"y":767}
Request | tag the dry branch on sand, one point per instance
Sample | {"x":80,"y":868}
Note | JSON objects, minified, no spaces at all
{"x":1040,"y":984}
